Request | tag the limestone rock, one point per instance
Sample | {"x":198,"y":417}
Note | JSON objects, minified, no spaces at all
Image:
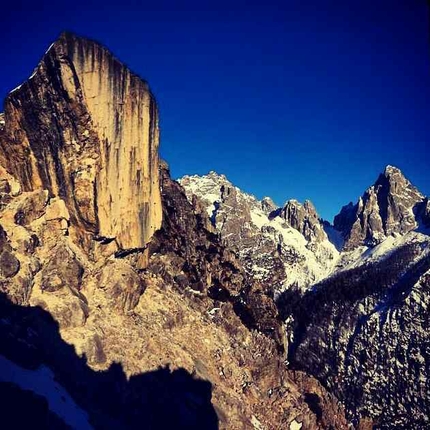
{"x":268,"y":205}
{"x":9,"y":264}
{"x":94,"y":350}
{"x":69,"y":310}
{"x":85,"y":128}
{"x":32,"y":206}
{"x":23,"y":240}
{"x":57,"y":210}
{"x":9,"y":187}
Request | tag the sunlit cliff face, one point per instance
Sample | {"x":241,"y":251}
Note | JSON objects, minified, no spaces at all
{"x":86,"y":128}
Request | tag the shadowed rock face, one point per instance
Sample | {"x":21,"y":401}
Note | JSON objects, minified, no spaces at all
{"x":389,"y":206}
{"x":85,"y":127}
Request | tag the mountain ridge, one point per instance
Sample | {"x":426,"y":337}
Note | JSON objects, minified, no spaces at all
{"x":339,"y":241}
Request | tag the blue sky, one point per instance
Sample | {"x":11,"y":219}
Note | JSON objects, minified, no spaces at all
{"x":291,"y":99}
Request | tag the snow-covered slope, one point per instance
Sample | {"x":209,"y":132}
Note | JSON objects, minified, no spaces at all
{"x":364,"y":255}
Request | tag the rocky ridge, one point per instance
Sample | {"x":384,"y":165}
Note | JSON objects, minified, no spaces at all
{"x":293,"y":242}
{"x":364,"y":334}
{"x":361,"y":330}
{"x":278,"y":246}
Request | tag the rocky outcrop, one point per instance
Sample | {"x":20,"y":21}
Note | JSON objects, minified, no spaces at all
{"x":85,"y":128}
{"x":268,"y":205}
{"x":193,"y":311}
{"x":9,"y":264}
{"x":387,"y":207}
{"x":304,"y":218}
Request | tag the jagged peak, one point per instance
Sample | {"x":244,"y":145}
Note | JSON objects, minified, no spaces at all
{"x":390,"y":204}
{"x":211,"y":175}
{"x":307,"y":205}
{"x":215,"y":174}
{"x":268,"y":201}
{"x":268,"y":205}
{"x":292,"y":202}
{"x":389,"y":169}
{"x":391,"y":181}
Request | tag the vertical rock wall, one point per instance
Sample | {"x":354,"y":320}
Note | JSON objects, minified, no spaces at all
{"x":86,"y":128}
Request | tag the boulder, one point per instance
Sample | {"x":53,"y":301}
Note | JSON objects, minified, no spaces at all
{"x":62,"y":270}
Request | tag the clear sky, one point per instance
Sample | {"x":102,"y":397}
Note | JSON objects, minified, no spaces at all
{"x":291,"y":99}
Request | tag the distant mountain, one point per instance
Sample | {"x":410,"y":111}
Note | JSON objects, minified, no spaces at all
{"x":363,"y":331}
{"x":392,"y":205}
{"x":278,"y":246}
{"x":354,"y":297}
{"x":292,"y":245}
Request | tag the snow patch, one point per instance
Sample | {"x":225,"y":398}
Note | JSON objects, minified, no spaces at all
{"x":295,"y":425}
{"x":16,"y":89}
{"x":42,"y":382}
{"x":50,"y":46}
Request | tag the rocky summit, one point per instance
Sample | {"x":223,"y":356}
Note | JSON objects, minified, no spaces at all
{"x":131,"y":300}
{"x":392,"y":205}
{"x":278,"y":246}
